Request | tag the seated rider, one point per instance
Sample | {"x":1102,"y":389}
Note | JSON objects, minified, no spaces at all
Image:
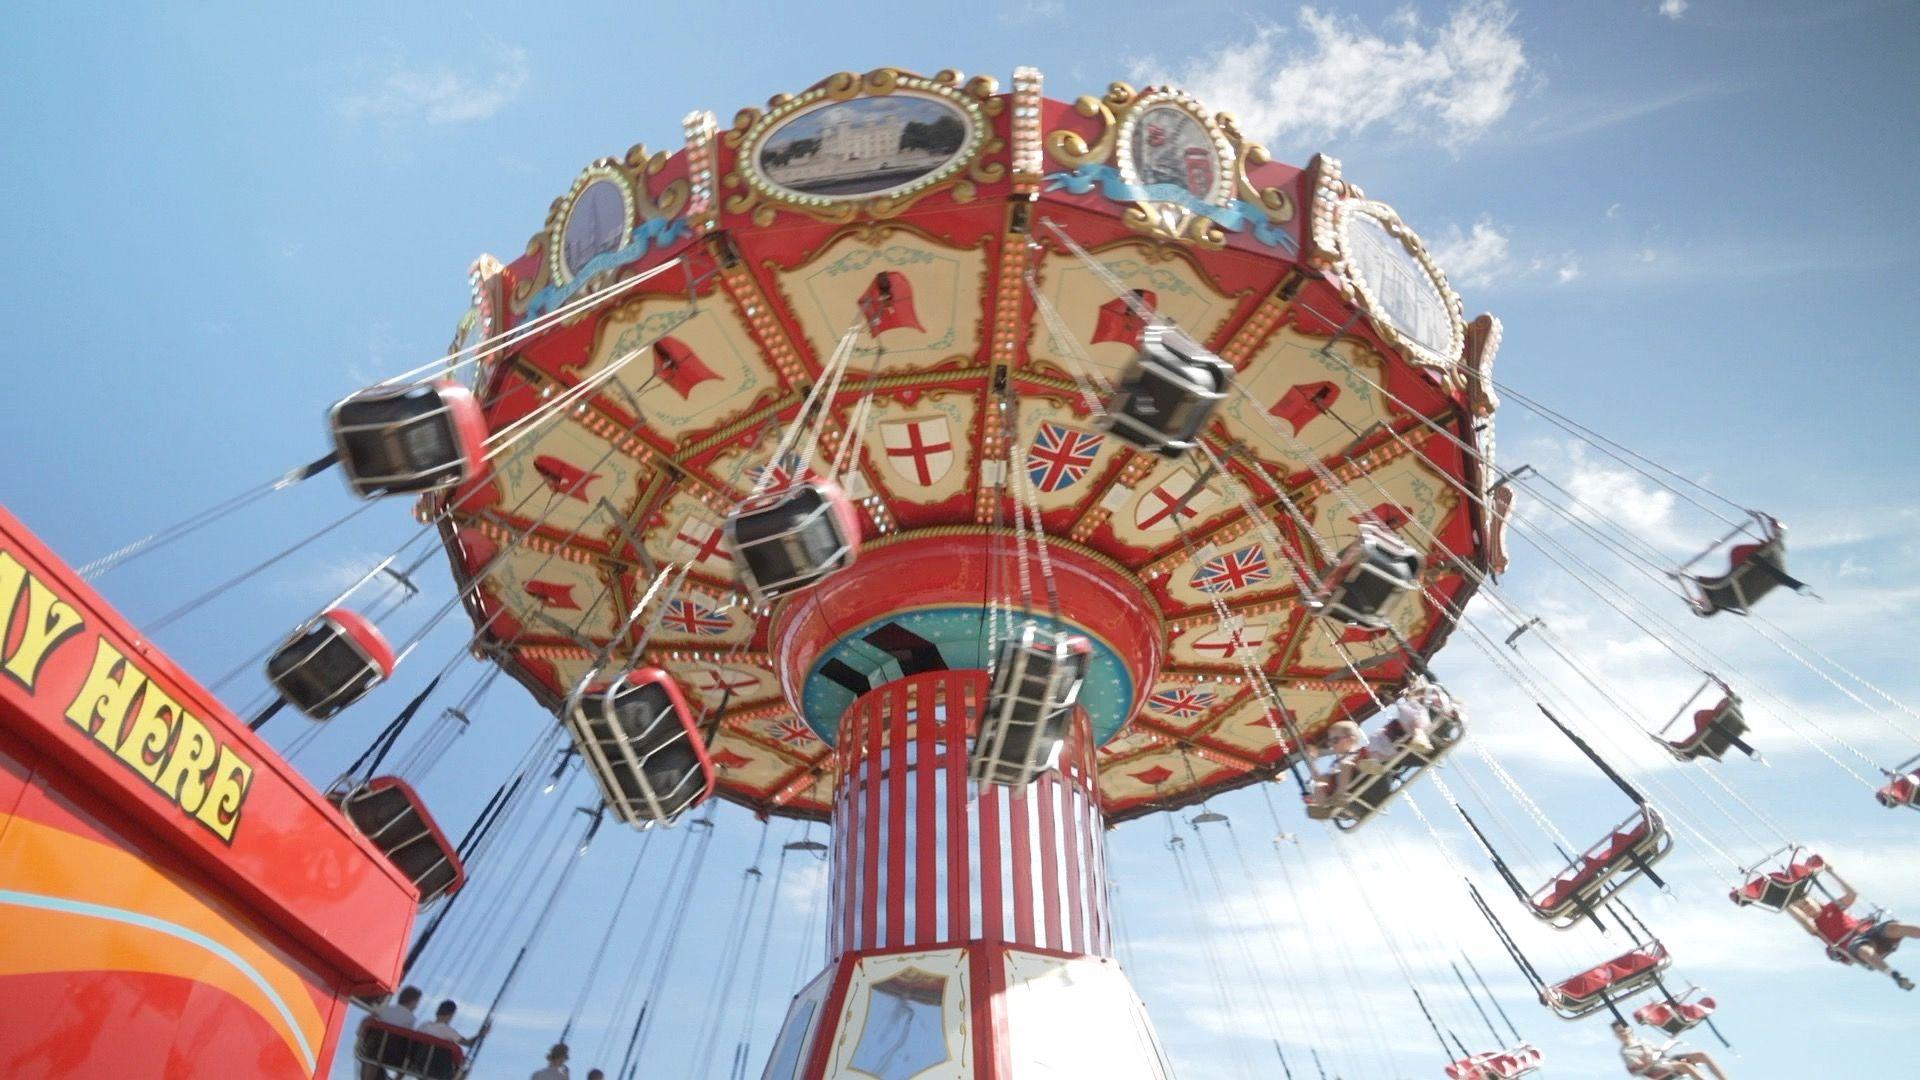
{"x":398,"y":1012}
{"x":1656,"y":1063}
{"x":1866,"y":939}
{"x":1352,"y":749}
{"x":441,"y":1026}
{"x":1421,"y":701}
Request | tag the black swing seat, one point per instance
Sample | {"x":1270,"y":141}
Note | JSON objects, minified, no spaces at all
{"x":1902,"y":787}
{"x":1597,"y":987}
{"x":1716,"y":730}
{"x":793,"y":538}
{"x":1168,"y":393}
{"x":1522,"y":1060}
{"x":330,"y":662}
{"x":640,"y":741}
{"x":1371,"y":574}
{"x":1626,"y":853}
{"x":408,"y":438}
{"x":409,"y":1053}
{"x":1776,"y":889}
{"x":1753,"y":571}
{"x":1036,"y":683}
{"x":1375,"y":781}
{"x":387,"y":811}
{"x":1676,"y":1016}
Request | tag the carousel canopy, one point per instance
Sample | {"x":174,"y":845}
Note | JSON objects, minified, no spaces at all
{"x":973,"y":258}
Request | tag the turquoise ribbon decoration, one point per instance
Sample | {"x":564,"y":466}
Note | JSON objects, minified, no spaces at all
{"x":1236,"y":216}
{"x":654,"y":232}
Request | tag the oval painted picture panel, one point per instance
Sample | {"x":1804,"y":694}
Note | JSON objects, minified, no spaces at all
{"x":1406,"y":295}
{"x":865,"y":147}
{"x":596,"y":224}
{"x":1171,"y":147}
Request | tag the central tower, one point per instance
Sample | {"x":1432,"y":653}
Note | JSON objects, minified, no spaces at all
{"x":969,"y":930}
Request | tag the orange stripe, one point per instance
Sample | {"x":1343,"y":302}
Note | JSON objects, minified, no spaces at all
{"x":37,"y":858}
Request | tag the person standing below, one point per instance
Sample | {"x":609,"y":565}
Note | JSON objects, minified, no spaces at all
{"x":396,"y":1012}
{"x":1656,"y":1064}
{"x":596,"y":1074}
{"x":441,"y":1026}
{"x":556,"y":1064}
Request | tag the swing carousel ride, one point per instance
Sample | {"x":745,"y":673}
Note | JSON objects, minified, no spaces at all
{"x":976,"y":472}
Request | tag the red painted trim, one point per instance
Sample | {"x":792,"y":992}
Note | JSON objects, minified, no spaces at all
{"x":959,"y":884}
{"x":830,"y":1021}
{"x":1020,"y":858}
{"x":896,"y":771}
{"x":984,"y":1004}
{"x":992,"y":919}
{"x":1073,"y":847}
{"x":926,"y":873}
{"x":868,"y":923}
{"x":1047,"y":793}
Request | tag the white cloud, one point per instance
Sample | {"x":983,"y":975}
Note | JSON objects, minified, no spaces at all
{"x":1673,"y":9}
{"x":1452,"y":82}
{"x":1033,"y":11}
{"x":404,"y":93}
{"x":1569,"y":270}
{"x":1474,"y":258}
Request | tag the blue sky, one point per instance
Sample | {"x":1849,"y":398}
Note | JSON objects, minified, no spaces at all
{"x":1693,"y":217}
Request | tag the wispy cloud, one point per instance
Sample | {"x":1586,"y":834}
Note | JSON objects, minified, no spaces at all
{"x":1588,"y":116}
{"x":1450,"y":83}
{"x":398,"y":91}
{"x":1673,"y":9}
{"x":1032,"y":11}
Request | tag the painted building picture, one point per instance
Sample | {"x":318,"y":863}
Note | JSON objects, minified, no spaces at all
{"x":863,"y":146}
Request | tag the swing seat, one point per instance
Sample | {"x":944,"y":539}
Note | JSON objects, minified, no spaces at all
{"x":1902,"y":787}
{"x":1036,"y":681}
{"x":1372,"y":573}
{"x":400,"y":439}
{"x":1378,"y":780}
{"x":1523,"y":1060}
{"x":639,"y":740}
{"x":390,"y":813}
{"x":1776,"y":889}
{"x":1168,"y":393}
{"x":1592,"y":989}
{"x":1603,"y":870}
{"x":1753,"y":571}
{"x":1675,"y":1017}
{"x":330,"y":662}
{"x":1715,"y":731}
{"x":409,"y":1053}
{"x":790,"y":539}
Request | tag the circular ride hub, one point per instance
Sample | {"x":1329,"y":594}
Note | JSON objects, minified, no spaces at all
{"x":986,"y":257}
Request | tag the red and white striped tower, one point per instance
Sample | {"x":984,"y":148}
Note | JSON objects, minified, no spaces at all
{"x":969,"y":932}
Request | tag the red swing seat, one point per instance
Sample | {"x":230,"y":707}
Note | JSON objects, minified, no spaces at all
{"x":1380,"y":779}
{"x":1902,"y":787}
{"x":1675,"y":1017}
{"x":641,"y":743}
{"x":390,"y":813}
{"x":409,"y":1053}
{"x":409,"y":438}
{"x":1522,"y":1060}
{"x":1753,"y":571}
{"x":1715,"y":731}
{"x":1776,"y":889}
{"x":1591,"y":990}
{"x":1603,"y":870}
{"x":330,"y":662}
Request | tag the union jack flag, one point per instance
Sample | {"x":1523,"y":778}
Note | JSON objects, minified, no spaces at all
{"x":1183,"y":704}
{"x":691,"y":618}
{"x":779,"y":474}
{"x":1235,"y":570}
{"x":1060,"y":456}
{"x":790,"y":732}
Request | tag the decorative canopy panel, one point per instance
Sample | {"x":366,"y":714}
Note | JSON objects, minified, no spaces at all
{"x":691,"y":300}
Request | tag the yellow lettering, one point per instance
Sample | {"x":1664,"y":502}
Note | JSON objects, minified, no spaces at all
{"x":145,"y":744}
{"x":226,"y":790}
{"x":103,"y":702}
{"x":49,"y":621}
{"x":12,"y":576}
{"x":184,"y":778}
